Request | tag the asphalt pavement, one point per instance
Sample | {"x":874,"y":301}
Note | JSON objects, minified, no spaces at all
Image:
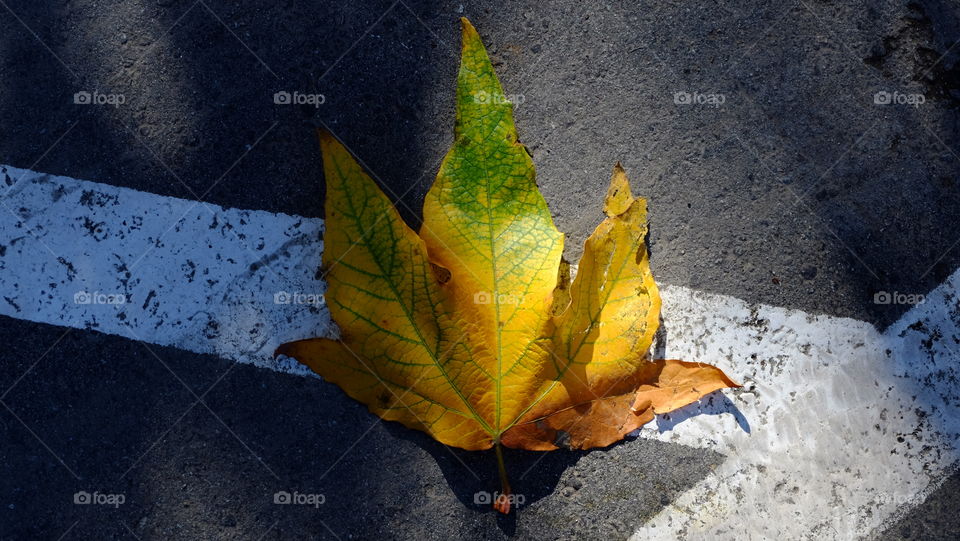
{"x":799,"y":154}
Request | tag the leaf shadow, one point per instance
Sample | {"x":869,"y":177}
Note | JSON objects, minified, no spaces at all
{"x":715,"y":403}
{"x":472,"y":475}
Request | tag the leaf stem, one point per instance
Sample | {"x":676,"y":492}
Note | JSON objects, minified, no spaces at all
{"x":502,"y":501}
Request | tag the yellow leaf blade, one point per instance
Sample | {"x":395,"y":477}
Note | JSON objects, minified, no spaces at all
{"x":385,"y":398}
{"x":486,"y":221}
{"x":615,"y":304}
{"x":600,"y":343}
{"x":383,"y":294}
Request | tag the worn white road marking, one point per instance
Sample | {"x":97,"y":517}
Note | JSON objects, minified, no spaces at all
{"x":159,"y":269}
{"x":838,"y":428}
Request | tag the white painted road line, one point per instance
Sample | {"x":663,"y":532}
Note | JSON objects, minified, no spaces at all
{"x":159,"y":269}
{"x":838,"y":429}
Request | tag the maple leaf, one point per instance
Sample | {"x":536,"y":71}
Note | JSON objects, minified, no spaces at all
{"x":471,"y":330}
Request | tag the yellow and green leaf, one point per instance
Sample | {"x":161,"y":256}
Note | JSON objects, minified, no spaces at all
{"x":471,"y":330}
